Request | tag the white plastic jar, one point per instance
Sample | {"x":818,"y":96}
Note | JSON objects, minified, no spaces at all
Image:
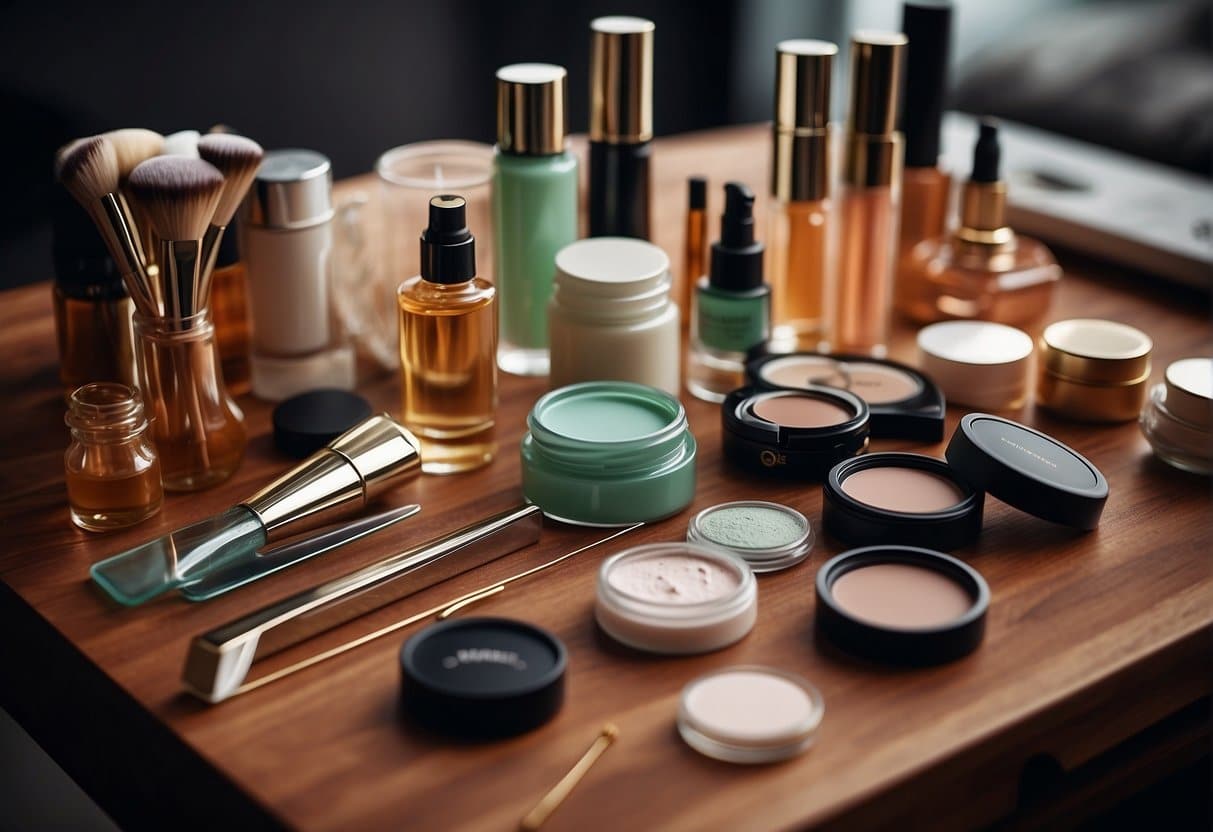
{"x":611,"y":317}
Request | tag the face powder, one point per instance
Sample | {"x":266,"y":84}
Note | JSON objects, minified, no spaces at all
{"x":901,"y":605}
{"x":900,"y":498}
{"x":676,"y":598}
{"x":912,"y":490}
{"x":796,"y":433}
{"x":767,"y":536}
{"x":749,"y":714}
{"x":904,"y":403}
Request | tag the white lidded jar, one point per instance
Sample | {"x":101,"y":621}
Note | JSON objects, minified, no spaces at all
{"x":611,"y":317}
{"x":286,"y":240}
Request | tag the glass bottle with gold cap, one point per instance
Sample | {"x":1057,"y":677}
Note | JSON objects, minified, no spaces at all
{"x":983,"y":271}
{"x":534,"y":207}
{"x":799,"y":222}
{"x":861,"y":302}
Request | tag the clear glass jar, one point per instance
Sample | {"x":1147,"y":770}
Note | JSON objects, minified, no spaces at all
{"x":111,"y":467}
{"x":198,"y":429}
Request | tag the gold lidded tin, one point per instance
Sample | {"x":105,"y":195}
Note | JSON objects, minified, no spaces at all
{"x":1094,"y":370}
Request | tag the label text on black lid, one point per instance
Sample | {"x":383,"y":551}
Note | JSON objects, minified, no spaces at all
{"x":483,"y":655}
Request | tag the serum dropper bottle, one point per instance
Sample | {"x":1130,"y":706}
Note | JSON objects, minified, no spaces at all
{"x":448,"y":346}
{"x":732,"y":303}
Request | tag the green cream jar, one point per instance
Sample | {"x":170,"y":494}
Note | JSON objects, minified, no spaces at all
{"x":608,"y":453}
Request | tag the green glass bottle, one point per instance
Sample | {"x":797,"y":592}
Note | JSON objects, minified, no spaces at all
{"x":732,"y":303}
{"x":534,"y":208}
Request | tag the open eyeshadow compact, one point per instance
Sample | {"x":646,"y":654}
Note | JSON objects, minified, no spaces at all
{"x":796,"y":433}
{"x":768,"y":536}
{"x":900,"y":498}
{"x":904,"y":403}
{"x":901,"y":605}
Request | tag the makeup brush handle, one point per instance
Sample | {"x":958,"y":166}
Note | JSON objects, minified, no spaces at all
{"x":210,"y":254}
{"x":121,"y":237}
{"x":179,"y":266}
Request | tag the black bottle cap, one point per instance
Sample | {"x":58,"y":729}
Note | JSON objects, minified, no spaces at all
{"x":482,"y":677}
{"x":736,"y":256}
{"x":987,"y":155}
{"x":697,"y":193}
{"x":928,"y":26}
{"x":1028,"y":469}
{"x":448,"y":249}
{"x":305,"y":423}
{"x":83,"y":266}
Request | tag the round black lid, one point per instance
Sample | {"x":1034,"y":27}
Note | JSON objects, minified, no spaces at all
{"x":305,"y":423}
{"x":483,"y":677}
{"x":1028,"y":469}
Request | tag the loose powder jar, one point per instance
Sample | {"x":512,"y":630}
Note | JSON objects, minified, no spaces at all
{"x":1178,"y":418}
{"x":793,"y":433}
{"x":900,"y":498}
{"x":767,"y":536}
{"x":750,"y":714}
{"x":901,"y":605}
{"x":676,"y":598}
{"x":978,"y":363}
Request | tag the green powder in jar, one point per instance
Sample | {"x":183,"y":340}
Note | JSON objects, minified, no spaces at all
{"x":751,"y":527}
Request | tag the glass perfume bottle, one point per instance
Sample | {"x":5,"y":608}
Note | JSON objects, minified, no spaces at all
{"x":448,"y":346}
{"x":799,"y":225}
{"x":111,"y":468}
{"x":732,"y":304}
{"x":534,"y":207}
{"x":868,"y":200}
{"x":984,"y":271}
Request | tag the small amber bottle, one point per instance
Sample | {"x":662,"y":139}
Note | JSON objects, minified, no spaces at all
{"x":984,"y":271}
{"x":448,"y":347}
{"x":229,"y":313}
{"x":111,"y":468}
{"x":92,"y":309}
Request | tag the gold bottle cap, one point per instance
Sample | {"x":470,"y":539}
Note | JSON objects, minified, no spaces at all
{"x":876,"y":59}
{"x":800,"y":172}
{"x":531,"y":112}
{"x":621,"y":80}
{"x":1094,"y":351}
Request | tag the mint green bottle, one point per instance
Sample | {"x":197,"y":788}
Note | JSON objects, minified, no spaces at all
{"x":534,"y":208}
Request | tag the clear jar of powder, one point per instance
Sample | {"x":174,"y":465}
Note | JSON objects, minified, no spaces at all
{"x":676,"y":598}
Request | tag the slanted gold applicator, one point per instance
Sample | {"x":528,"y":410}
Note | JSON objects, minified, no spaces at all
{"x":179,"y":196}
{"x":133,"y":145}
{"x":238,"y":159}
{"x":89,"y":169}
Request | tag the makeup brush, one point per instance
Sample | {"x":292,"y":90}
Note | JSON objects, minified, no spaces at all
{"x":237,"y":158}
{"x":89,"y":169}
{"x":181,"y":143}
{"x":178,"y":195}
{"x":132,"y":145}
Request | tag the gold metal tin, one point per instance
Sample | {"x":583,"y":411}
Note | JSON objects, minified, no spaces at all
{"x":1094,"y":351}
{"x":1102,"y":402}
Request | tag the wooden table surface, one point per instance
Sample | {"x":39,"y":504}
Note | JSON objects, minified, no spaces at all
{"x":1091,"y":637}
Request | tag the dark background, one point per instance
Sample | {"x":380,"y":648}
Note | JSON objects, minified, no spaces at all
{"x":353,"y":79}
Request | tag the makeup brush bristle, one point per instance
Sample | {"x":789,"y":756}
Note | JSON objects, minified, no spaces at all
{"x":88,"y":168}
{"x":237,"y":158}
{"x":177,"y":194}
{"x":133,"y":145}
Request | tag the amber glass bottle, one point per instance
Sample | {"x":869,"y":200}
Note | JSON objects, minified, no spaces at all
{"x":229,"y":313}
{"x":448,"y":347}
{"x":111,"y":469}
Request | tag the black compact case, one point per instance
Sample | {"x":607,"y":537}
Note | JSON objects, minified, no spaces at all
{"x":892,"y":645}
{"x":760,"y":445}
{"x":482,"y":678}
{"x":919,"y":415}
{"x":861,"y":524}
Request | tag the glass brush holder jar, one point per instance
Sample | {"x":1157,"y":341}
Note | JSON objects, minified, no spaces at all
{"x":111,"y":469}
{"x":198,"y":429}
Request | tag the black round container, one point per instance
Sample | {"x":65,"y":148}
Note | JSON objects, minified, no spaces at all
{"x":901,"y":646}
{"x":1028,"y":469}
{"x":765,"y":446}
{"x":862,"y":524}
{"x":482,"y":678}
{"x":919,"y":414}
{"x":305,"y":423}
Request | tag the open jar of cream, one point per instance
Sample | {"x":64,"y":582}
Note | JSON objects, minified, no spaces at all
{"x":676,"y":598}
{"x":767,"y":536}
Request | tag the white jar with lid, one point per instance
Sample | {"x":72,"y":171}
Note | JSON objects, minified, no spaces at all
{"x":611,"y":317}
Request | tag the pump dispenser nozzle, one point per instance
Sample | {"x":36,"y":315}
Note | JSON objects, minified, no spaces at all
{"x":986,"y":153}
{"x":448,"y":249}
{"x":736,"y":256}
{"x":983,"y":203}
